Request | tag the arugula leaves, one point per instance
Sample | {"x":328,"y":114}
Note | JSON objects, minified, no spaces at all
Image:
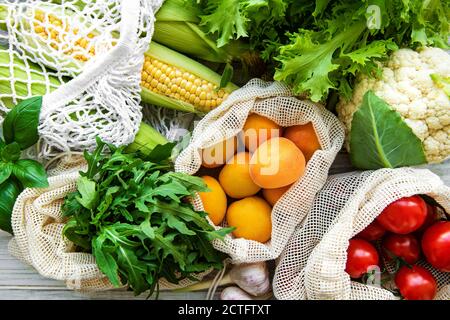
{"x":132,"y":212}
{"x":20,"y":131}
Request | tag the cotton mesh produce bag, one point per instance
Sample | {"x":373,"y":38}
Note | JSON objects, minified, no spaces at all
{"x":38,"y":224}
{"x":276,"y":102}
{"x":313,"y":264}
{"x":100,"y":44}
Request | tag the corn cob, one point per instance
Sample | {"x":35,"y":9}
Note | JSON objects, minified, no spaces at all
{"x":169,"y":79}
{"x":19,"y":83}
{"x":58,"y":30}
{"x":178,"y":82}
{"x":146,"y":138}
{"x":177,"y":27}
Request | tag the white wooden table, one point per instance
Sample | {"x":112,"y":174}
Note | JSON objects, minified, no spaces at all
{"x":19,"y":281}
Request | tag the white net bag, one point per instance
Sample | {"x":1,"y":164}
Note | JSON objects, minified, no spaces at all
{"x":276,"y":102}
{"x":313,"y":264}
{"x":38,"y":224}
{"x":100,"y":44}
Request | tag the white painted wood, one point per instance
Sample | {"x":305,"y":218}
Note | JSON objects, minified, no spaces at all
{"x":19,"y":281}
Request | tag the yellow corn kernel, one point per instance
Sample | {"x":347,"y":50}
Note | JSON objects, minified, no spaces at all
{"x":180,"y":84}
{"x":57,"y":31}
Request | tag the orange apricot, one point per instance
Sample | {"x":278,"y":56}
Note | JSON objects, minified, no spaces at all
{"x":273,"y":195}
{"x":305,"y":138}
{"x":219,"y":154}
{"x":277,"y":163}
{"x":258,"y":129}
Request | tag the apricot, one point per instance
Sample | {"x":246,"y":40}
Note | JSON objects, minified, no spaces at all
{"x":252,"y":218}
{"x":305,"y":138}
{"x":214,"y":201}
{"x":219,"y":154}
{"x":235,"y":177}
{"x":277,"y":163}
{"x":258,"y":129}
{"x":273,"y":195}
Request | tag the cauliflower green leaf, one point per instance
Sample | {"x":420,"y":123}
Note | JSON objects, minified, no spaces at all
{"x":379,"y":137}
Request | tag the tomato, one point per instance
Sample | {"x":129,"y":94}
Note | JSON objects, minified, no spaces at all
{"x":432,"y":217}
{"x":404,"y":215}
{"x":403,"y":246}
{"x":373,"y":231}
{"x":416,"y":283}
{"x":436,"y":245}
{"x":361,"y":255}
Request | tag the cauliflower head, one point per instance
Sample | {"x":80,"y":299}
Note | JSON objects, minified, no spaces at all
{"x":406,"y":85}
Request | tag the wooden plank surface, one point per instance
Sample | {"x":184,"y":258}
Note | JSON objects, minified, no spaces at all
{"x":19,"y":281}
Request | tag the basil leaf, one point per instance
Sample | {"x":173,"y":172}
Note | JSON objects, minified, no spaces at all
{"x":11,"y":152}
{"x":5,"y":171}
{"x":379,"y":137}
{"x":9,"y":191}
{"x":89,"y":196}
{"x":21,"y":123}
{"x":30,"y":173}
{"x":2,"y":144}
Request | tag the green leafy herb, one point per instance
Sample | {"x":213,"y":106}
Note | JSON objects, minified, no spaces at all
{"x":30,"y":173}
{"x":5,"y":171}
{"x":132,"y":212}
{"x":10,"y":152}
{"x":20,"y":130}
{"x":9,"y":191}
{"x":21,"y":123}
{"x":379,"y":137}
{"x":89,"y":195}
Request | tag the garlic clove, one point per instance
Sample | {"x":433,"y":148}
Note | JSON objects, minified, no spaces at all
{"x":234,"y":293}
{"x":253,"y":278}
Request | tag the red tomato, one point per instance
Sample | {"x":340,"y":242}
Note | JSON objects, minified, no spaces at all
{"x":416,"y":283}
{"x":436,"y":245}
{"x":432,"y":217}
{"x":403,"y":246}
{"x":373,"y":231}
{"x":361,"y":255}
{"x":404,"y":215}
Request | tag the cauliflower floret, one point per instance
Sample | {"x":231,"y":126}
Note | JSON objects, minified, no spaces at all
{"x":407,"y":87}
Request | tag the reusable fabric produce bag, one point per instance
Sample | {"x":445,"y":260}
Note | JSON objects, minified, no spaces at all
{"x":313,"y":264}
{"x":100,"y":44}
{"x":103,"y":99}
{"x":275,"y":101}
{"x":38,"y":225}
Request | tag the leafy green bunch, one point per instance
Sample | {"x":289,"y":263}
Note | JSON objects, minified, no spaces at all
{"x":318,"y":46}
{"x":20,"y":131}
{"x":134,"y":214}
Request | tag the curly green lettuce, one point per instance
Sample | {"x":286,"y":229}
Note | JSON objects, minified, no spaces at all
{"x":319,"y":46}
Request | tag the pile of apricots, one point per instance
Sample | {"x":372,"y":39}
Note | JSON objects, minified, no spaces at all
{"x":247,"y":174}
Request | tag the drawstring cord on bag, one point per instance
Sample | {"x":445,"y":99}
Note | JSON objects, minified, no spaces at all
{"x":216,"y":282}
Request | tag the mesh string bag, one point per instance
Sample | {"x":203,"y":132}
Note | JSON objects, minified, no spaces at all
{"x":276,"y":102}
{"x":101,"y":45}
{"x":313,"y":264}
